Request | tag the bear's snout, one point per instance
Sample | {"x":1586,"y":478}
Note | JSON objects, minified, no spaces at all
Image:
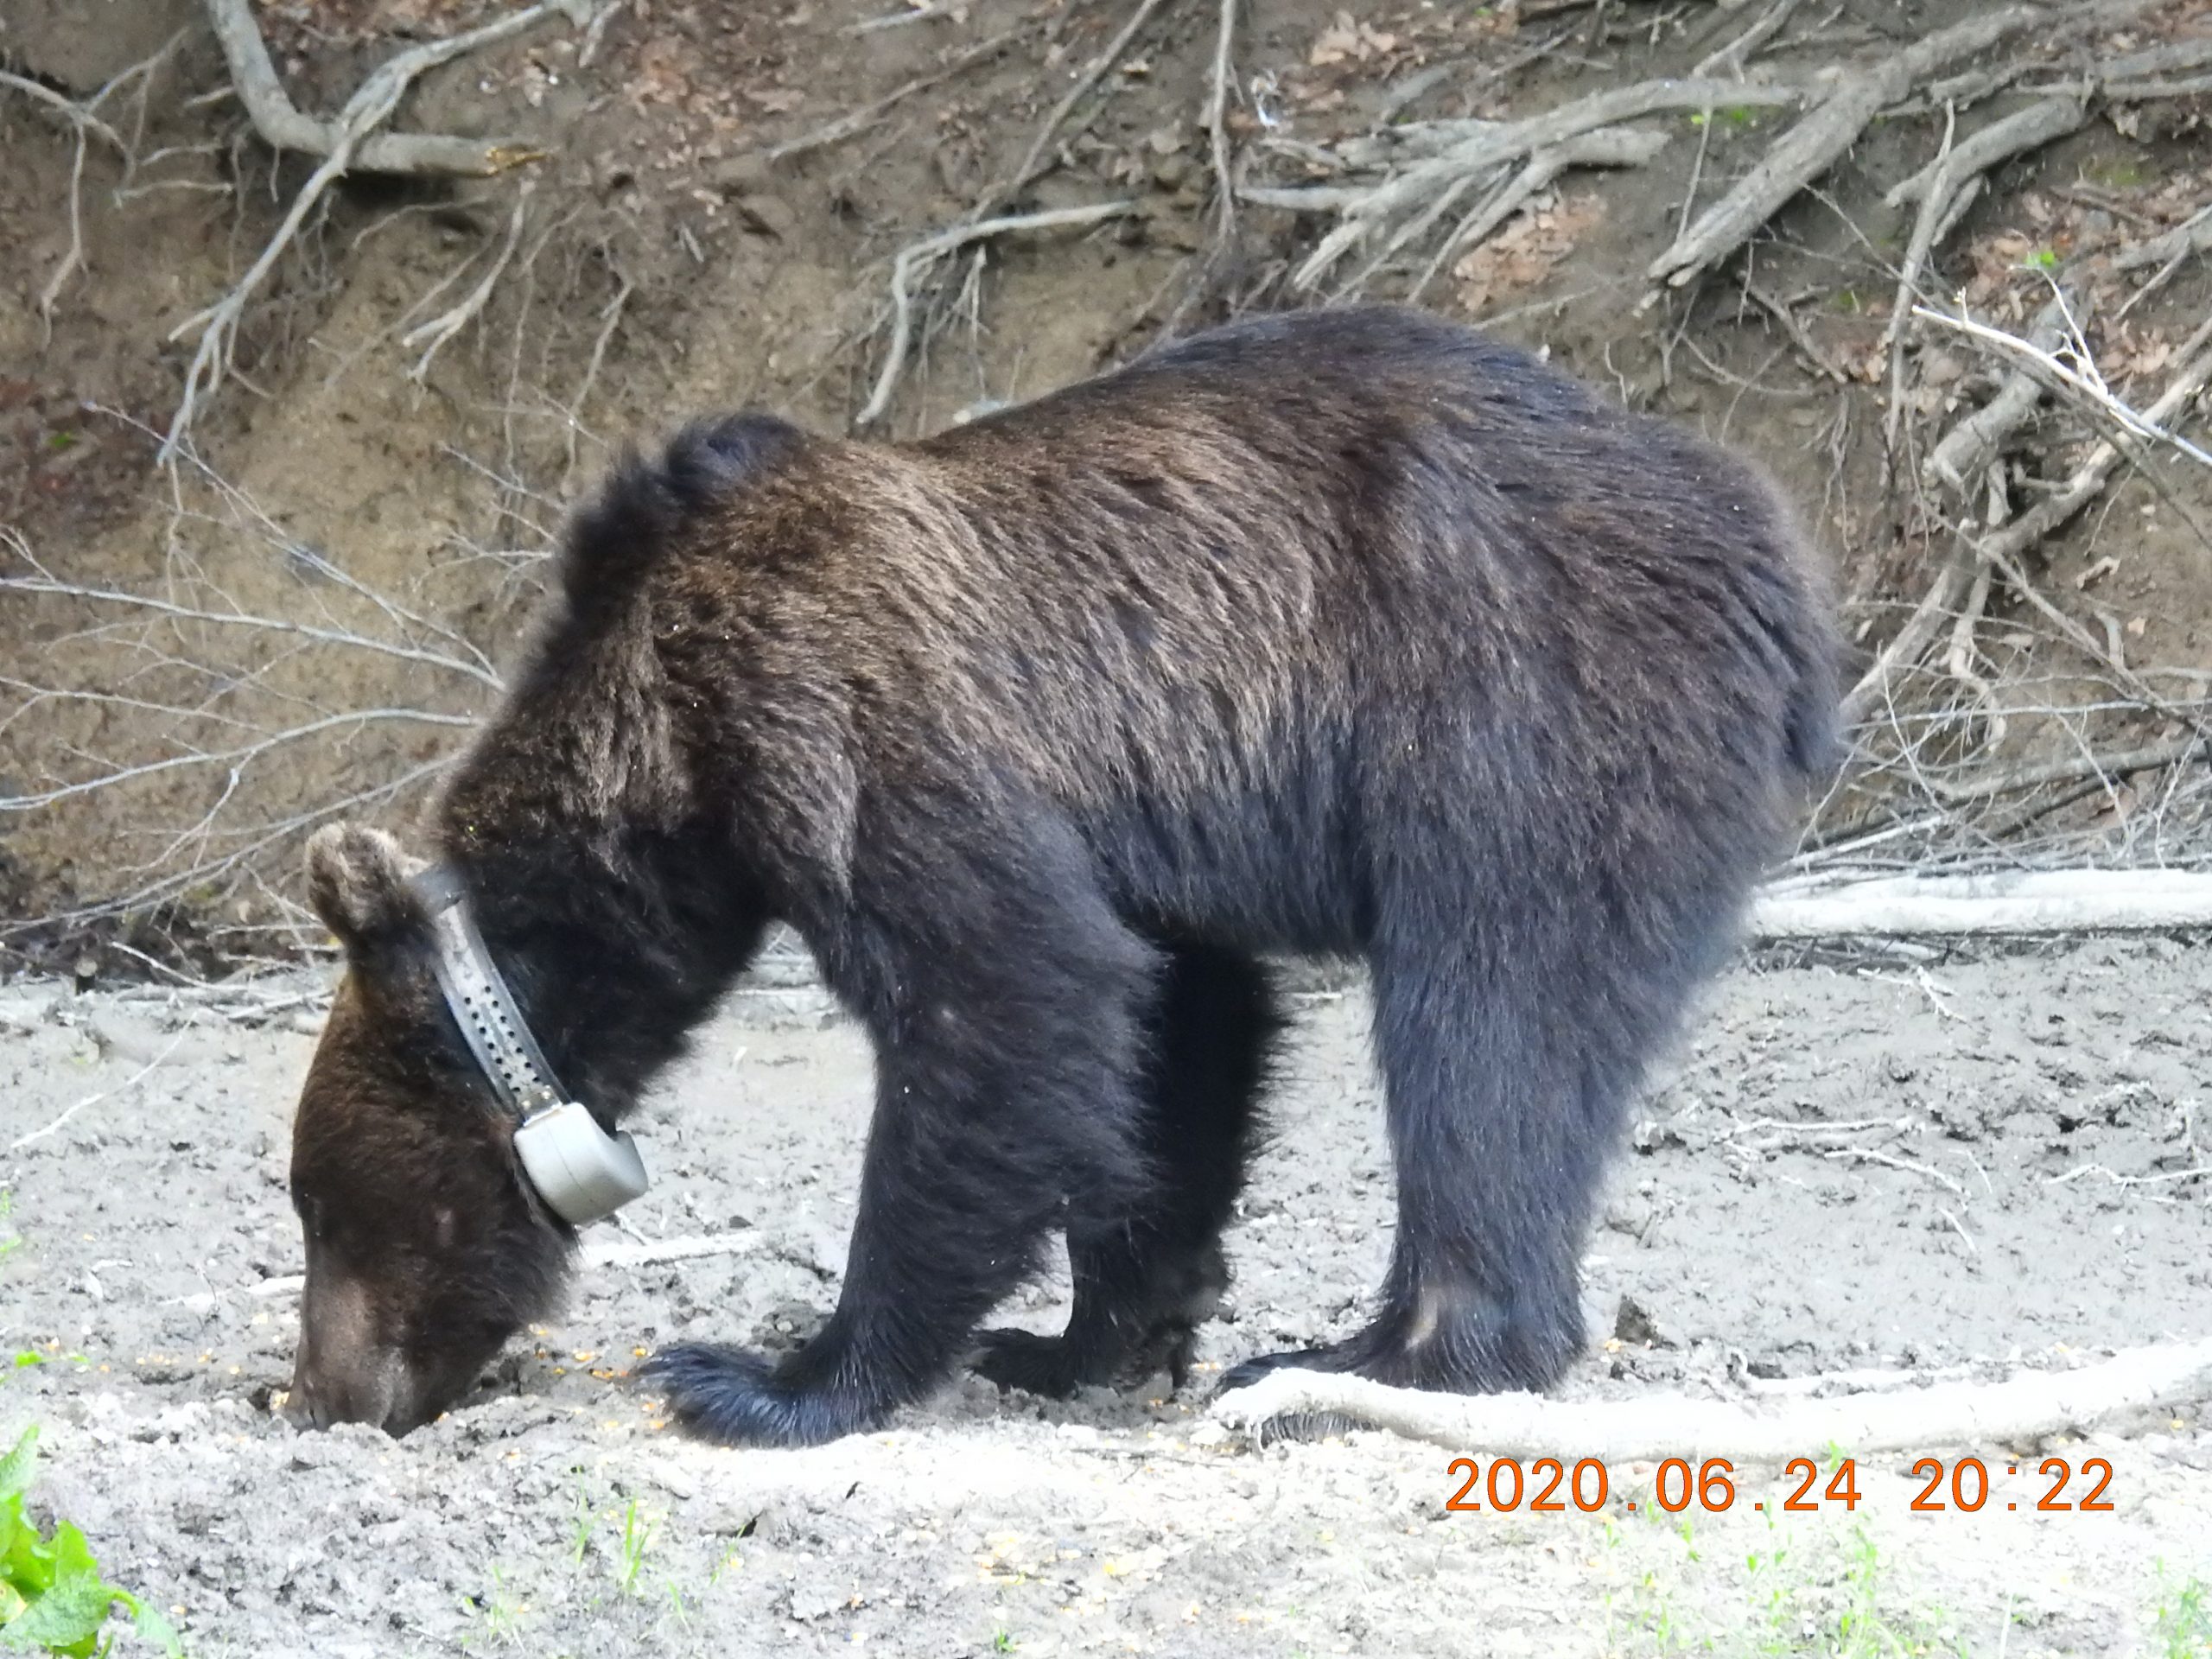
{"x":345,"y":1372}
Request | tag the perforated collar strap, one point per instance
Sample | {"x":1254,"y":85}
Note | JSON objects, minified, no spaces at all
{"x":482,"y":1006}
{"x":579,"y":1171}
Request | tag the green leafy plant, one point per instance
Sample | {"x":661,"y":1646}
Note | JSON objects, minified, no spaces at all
{"x":2185,"y":1616}
{"x":636,"y":1535}
{"x":52,"y":1598}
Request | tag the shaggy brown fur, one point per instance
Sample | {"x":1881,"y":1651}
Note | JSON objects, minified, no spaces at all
{"x":1346,"y":632}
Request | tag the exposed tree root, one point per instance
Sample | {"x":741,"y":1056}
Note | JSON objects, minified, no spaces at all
{"x":439,"y":329}
{"x":283,"y":126}
{"x":344,"y":145}
{"x":1945,"y":189}
{"x":1810,"y":148}
{"x":1472,"y":151}
{"x":84,"y":123}
{"x":917,"y":256}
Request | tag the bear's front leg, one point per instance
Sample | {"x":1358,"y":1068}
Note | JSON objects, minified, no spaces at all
{"x":1010,"y":1050}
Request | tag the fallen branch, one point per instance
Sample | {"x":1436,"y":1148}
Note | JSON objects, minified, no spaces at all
{"x":1814,"y":144}
{"x":2027,"y":1409}
{"x":2007,"y":902}
{"x":2099,"y":767}
{"x":656,"y":1252}
{"x":283,"y":126}
{"x":1961,"y":455}
{"x":918,"y":255}
{"x":1912,"y":641}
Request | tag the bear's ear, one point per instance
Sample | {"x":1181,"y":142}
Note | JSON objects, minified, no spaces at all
{"x":614,"y":540}
{"x":357,"y":881}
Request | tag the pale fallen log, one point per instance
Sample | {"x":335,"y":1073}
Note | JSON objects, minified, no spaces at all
{"x":2022,"y":1410}
{"x":2011,"y":901}
{"x":604,"y":1252}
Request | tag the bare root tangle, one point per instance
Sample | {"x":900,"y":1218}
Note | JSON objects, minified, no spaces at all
{"x":84,"y":123}
{"x":439,"y":329}
{"x":283,"y":126}
{"x":340,"y":143}
{"x":919,"y":256}
{"x":1959,"y":457}
{"x":1468,"y":152}
{"x":2026,"y":1408}
{"x":1945,"y":188}
{"x":1810,"y":148}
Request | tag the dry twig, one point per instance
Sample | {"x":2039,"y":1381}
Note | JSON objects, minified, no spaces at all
{"x":441,"y":328}
{"x":919,"y":256}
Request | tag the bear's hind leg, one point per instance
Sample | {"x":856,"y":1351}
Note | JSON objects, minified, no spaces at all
{"x":1145,"y":1281}
{"x":1510,"y":1043}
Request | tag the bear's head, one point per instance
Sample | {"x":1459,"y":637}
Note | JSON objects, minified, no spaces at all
{"x":425,"y":1251}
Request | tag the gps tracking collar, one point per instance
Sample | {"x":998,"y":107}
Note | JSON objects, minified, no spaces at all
{"x":576,"y":1168}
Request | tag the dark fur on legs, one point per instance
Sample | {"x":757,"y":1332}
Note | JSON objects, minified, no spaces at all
{"x":1145,"y":1281}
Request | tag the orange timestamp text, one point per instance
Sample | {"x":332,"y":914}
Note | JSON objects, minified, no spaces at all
{"x":1553,"y":1486}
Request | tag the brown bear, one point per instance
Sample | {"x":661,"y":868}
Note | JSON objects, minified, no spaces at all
{"x":1348,"y":633}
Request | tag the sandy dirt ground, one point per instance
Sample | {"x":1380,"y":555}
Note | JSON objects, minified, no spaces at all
{"x":1852,"y":1164}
